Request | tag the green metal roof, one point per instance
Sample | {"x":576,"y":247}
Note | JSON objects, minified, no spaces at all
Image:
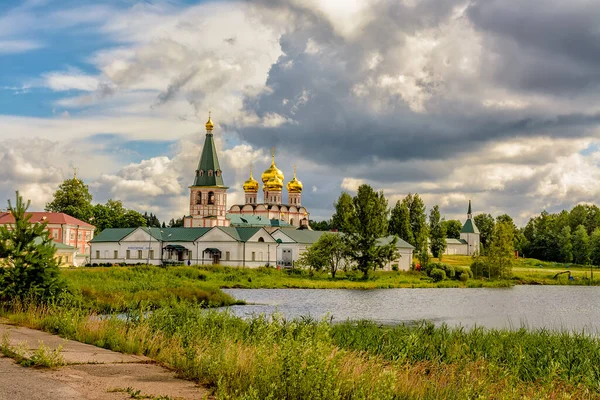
{"x":209,"y":162}
{"x":401,"y":244}
{"x":455,"y":241}
{"x":249,"y":220}
{"x":182,"y":234}
{"x":302,"y":235}
{"x":57,"y":245}
{"x":246,"y":233}
{"x":241,"y":234}
{"x":162,"y":234}
{"x":469,"y":227}
{"x":112,"y":235}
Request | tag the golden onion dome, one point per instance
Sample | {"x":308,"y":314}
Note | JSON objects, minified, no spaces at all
{"x":251,"y":185}
{"x":294,"y":186}
{"x":209,"y":124}
{"x":272,"y":170}
{"x":274,"y":184}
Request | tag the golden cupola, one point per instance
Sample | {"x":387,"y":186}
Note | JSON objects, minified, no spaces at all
{"x":209,"y":124}
{"x":294,"y":186}
{"x":274,"y":184}
{"x":251,"y":185}
{"x":272,"y":171}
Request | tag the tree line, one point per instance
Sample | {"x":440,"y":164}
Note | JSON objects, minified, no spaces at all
{"x":74,"y":198}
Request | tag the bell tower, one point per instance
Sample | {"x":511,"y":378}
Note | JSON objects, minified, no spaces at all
{"x":208,"y":194}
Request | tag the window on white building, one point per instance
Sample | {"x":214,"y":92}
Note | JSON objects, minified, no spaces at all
{"x":97,"y":254}
{"x":227,"y":255}
{"x":152,"y":254}
{"x":116,"y":254}
{"x":105,"y":253}
{"x":140,"y":254}
{"x":128,"y":254}
{"x":253,"y":256}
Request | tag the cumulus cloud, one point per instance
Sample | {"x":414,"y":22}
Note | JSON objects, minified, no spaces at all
{"x":493,"y":101}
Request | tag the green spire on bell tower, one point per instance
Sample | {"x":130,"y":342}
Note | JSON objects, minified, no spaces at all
{"x":209,"y":172}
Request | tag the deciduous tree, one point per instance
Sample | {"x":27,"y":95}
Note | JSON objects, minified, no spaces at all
{"x":400,"y":222}
{"x":73,"y":198}
{"x":581,"y":246}
{"x":366,"y":223}
{"x":565,"y":244}
{"x":453,"y":227}
{"x":437,"y":232}
{"x":595,"y":247}
{"x":327,"y":252}
{"x":343,"y":211}
{"x":485,"y":224}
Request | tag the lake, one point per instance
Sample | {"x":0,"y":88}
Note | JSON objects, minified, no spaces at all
{"x":553,"y":307}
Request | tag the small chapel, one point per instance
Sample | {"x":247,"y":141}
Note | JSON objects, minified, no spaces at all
{"x":208,"y":195}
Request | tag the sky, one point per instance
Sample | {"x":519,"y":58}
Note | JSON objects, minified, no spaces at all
{"x":495,"y":101}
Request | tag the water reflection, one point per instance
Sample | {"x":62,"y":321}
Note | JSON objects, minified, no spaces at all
{"x":553,"y":307}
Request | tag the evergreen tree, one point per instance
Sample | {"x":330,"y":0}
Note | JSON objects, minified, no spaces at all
{"x":343,"y":211}
{"x":437,"y":232}
{"x":581,"y":246}
{"x":151,"y":220}
{"x":595,"y":247}
{"x":28,"y":268}
{"x":453,"y":228}
{"x":400,"y":222}
{"x":73,"y":198}
{"x":365,"y":224}
{"x":565,"y":245}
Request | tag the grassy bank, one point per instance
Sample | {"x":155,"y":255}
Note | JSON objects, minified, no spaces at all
{"x":107,"y":285}
{"x":260,"y":358}
{"x":120,"y":288}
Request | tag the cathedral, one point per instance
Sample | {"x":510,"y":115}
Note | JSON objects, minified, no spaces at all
{"x":208,"y":195}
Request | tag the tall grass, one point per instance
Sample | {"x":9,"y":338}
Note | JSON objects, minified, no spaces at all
{"x":122,"y":288}
{"x":263,"y":358}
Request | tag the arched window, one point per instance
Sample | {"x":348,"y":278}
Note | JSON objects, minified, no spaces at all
{"x":260,"y":239}
{"x":199,"y":198}
{"x":211,"y":198}
{"x":201,"y":172}
{"x":291,"y":221}
{"x":210,"y":172}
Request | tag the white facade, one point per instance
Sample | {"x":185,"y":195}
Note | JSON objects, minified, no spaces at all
{"x":216,"y":246}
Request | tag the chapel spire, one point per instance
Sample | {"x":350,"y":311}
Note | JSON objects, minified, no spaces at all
{"x":209,"y":172}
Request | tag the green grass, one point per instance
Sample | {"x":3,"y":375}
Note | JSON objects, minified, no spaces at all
{"x":121,"y":288}
{"x":264,"y":358}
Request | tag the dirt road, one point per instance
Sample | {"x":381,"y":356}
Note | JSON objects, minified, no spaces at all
{"x":91,"y":373}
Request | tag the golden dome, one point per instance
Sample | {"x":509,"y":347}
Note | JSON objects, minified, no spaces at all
{"x":294,"y":186}
{"x":209,"y":124}
{"x":274,"y":184}
{"x":251,"y":185}
{"x":272,"y":171}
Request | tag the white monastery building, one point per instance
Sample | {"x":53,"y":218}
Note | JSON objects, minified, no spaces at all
{"x":247,"y":235}
{"x":469,"y":241}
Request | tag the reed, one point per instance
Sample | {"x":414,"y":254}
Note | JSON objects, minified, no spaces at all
{"x":274,"y":357}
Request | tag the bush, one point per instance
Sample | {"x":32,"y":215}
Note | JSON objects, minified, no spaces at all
{"x":437,"y":274}
{"x":395,"y":267}
{"x":463,"y":273}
